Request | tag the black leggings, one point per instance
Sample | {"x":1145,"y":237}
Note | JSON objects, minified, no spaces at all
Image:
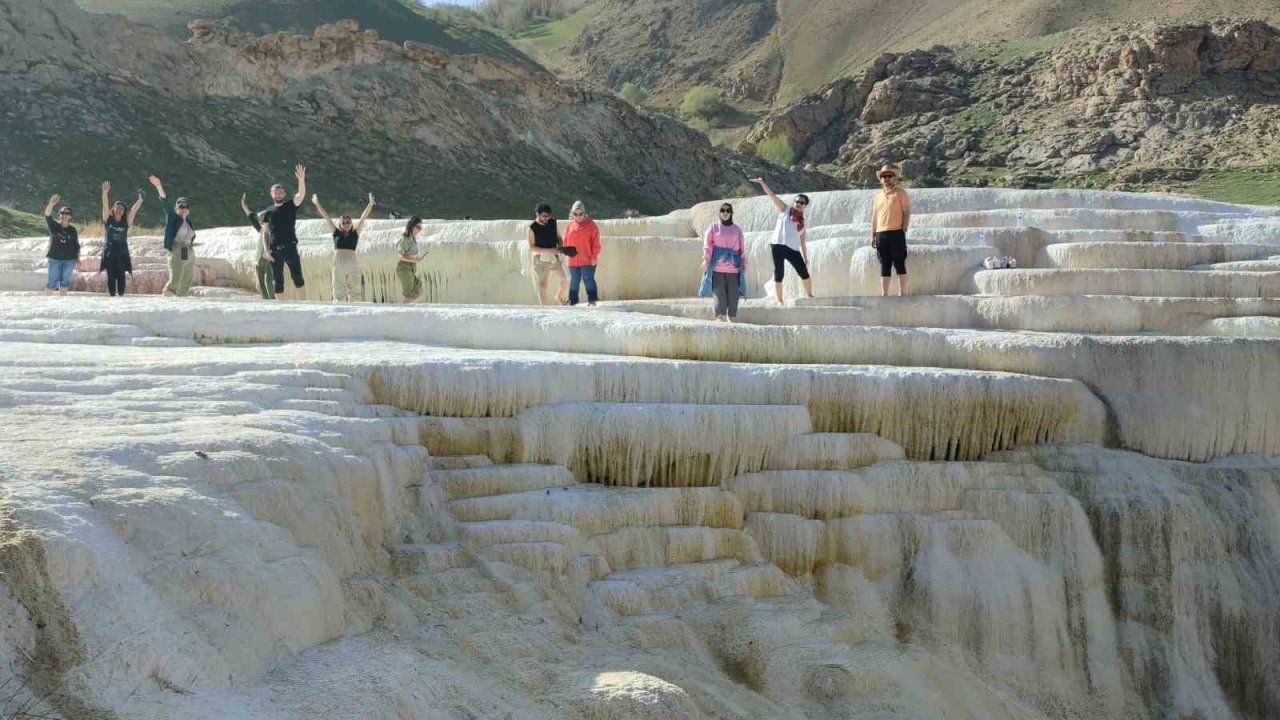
{"x":115,"y":281}
{"x":783,"y":253}
{"x":279,"y":257}
{"x":891,"y":248}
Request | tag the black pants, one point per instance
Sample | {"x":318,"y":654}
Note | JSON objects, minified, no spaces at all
{"x":115,"y":280}
{"x":782,"y":253}
{"x":891,"y":247}
{"x":280,"y":256}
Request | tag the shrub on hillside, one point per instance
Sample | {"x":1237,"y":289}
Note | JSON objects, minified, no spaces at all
{"x":633,"y":94}
{"x":702,"y":101}
{"x":777,"y":150}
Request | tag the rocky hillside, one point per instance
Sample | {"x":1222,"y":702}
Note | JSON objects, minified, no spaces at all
{"x":395,"y":20}
{"x":1139,"y":106}
{"x":777,"y":50}
{"x":228,"y":112}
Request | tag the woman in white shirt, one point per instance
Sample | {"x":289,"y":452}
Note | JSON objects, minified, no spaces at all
{"x":790,"y":242}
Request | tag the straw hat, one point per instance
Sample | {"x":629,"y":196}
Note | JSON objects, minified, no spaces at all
{"x":891,"y":170}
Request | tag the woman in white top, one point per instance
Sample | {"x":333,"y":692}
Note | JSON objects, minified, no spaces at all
{"x":790,"y":241}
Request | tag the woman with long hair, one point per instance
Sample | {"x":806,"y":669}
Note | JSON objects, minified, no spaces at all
{"x":346,"y":269}
{"x":116,"y":221}
{"x":409,"y":256}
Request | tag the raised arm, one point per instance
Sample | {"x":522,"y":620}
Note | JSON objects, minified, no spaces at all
{"x":137,"y":205}
{"x":106,"y":200}
{"x":48,"y":209}
{"x":300,"y":172}
{"x":164,"y":200}
{"x":368,"y":210}
{"x":315,"y":200}
{"x":777,"y":202}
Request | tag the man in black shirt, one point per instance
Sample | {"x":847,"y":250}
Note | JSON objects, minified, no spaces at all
{"x":281,"y":217}
{"x":64,"y":248}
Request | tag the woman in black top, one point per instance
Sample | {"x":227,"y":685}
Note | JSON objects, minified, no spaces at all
{"x":544,"y":249}
{"x":64,"y":248}
{"x":116,"y":261}
{"x":346,"y":269}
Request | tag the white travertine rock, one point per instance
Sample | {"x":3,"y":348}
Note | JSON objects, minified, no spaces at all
{"x":224,"y":509}
{"x":1147,"y":283}
{"x":1149,"y":256}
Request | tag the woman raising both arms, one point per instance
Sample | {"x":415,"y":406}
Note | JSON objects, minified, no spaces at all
{"x":116,"y":220}
{"x":346,"y":269}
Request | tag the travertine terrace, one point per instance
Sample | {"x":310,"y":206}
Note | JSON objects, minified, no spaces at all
{"x":1043,"y":492}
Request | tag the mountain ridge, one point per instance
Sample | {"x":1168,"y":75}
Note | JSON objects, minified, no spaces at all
{"x":227,"y":112}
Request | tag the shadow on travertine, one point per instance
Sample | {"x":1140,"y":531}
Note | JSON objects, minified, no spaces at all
{"x":846,"y":507}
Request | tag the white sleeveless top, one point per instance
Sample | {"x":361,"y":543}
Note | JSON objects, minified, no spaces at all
{"x":785,"y":232}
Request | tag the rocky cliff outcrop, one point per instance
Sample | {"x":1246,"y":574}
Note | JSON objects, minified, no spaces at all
{"x":227,"y":111}
{"x":670,"y":45}
{"x":1116,"y":103}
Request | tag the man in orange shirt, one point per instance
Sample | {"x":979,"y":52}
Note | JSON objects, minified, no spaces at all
{"x":890,"y":215}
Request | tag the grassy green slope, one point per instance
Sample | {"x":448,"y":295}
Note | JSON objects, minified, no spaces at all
{"x":395,"y":20}
{"x":16,"y":223}
{"x":821,"y":40}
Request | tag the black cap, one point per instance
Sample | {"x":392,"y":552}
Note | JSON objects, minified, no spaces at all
{"x":181,"y":202}
{"x":64,"y":209}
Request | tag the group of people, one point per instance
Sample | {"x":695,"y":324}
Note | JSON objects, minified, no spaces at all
{"x":277,"y":224}
{"x":724,"y":258}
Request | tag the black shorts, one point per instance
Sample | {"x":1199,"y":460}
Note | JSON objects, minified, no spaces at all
{"x":781,"y":254}
{"x":891,"y":247}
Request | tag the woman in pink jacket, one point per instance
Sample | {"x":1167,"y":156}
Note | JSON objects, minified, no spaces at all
{"x":583,"y":236}
{"x":724,"y":264}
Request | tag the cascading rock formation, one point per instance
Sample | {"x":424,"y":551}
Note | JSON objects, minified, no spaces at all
{"x":1042,"y":490}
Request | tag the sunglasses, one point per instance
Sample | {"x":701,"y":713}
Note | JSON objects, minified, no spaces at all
{"x":725,"y":212}
{"x":887,"y":175}
{"x":579,"y":214}
{"x":64,"y":214}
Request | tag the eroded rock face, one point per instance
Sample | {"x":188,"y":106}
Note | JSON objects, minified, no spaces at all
{"x":1194,"y":96}
{"x":672,"y":44}
{"x":228,"y":109}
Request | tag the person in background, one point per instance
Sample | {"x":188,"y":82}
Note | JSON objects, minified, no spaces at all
{"x":179,"y":241}
{"x":583,"y":235}
{"x":409,"y":256}
{"x":544,"y":249}
{"x":346,"y":269}
{"x":890,"y":216}
{"x":724,"y":262}
{"x":64,"y":248}
{"x":116,"y":221}
{"x":790,"y":242}
{"x":266,"y":276}
{"x":282,"y":216}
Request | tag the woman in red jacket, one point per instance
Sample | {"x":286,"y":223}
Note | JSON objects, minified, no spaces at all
{"x":583,"y":236}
